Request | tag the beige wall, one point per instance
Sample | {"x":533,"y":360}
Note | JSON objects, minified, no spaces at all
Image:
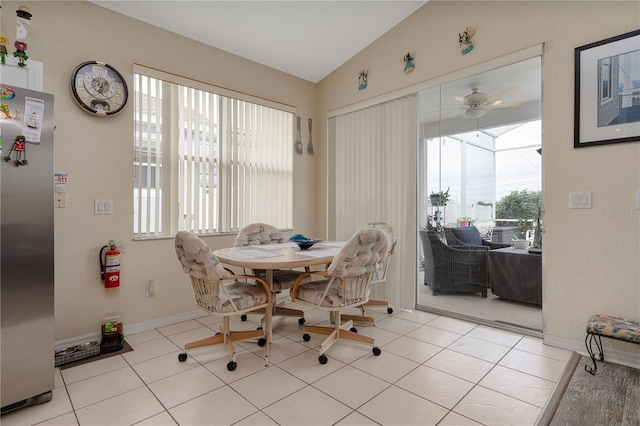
{"x":97,"y":154}
{"x":591,"y":259}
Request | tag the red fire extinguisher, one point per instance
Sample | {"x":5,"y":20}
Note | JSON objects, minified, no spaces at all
{"x":110,"y":265}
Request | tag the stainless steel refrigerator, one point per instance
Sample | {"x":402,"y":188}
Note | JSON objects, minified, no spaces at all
{"x":26,"y":247}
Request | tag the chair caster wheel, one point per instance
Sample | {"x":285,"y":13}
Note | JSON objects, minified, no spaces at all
{"x":389,"y":311}
{"x":243,"y":317}
{"x":300,"y":321}
{"x":376,"y":351}
{"x":231,"y":365}
{"x":182,"y":357}
{"x":306,"y":337}
{"x":323,"y":359}
{"x":353,"y":330}
{"x":262,"y":341}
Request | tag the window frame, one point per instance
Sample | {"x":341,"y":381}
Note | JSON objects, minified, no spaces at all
{"x":168,"y":210}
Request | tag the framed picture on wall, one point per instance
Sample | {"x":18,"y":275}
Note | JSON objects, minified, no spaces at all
{"x":607,"y":91}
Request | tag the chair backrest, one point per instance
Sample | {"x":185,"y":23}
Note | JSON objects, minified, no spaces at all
{"x":469,"y":235}
{"x":382,"y":269}
{"x":257,"y":234}
{"x":353,"y":266}
{"x":196,"y":257}
{"x":390,"y":234}
{"x":204,"y":269}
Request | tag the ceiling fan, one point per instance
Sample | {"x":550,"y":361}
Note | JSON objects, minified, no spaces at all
{"x":476,"y":103}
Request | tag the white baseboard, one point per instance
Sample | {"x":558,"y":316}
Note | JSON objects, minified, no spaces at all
{"x":133,"y":328}
{"x":615,"y":356}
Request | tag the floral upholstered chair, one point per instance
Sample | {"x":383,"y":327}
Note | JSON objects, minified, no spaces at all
{"x":344,"y":285}
{"x":380,"y":275}
{"x":256,"y":234}
{"x":222,"y":294}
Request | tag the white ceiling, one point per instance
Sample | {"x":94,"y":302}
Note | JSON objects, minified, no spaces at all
{"x":308,"y":39}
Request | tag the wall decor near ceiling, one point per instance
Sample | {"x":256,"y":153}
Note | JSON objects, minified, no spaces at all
{"x":466,"y":45}
{"x":23,"y":36}
{"x":408,"y":63}
{"x":3,"y":49}
{"x":607,"y":91}
{"x":362,"y":80}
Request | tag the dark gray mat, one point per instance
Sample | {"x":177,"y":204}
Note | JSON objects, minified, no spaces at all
{"x":610,"y":397}
{"x":125,"y":348}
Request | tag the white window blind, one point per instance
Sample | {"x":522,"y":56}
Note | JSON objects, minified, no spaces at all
{"x":375,"y":168}
{"x":208,"y":163}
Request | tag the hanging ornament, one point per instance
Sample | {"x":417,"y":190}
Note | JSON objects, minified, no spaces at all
{"x":19,"y":148}
{"x":20,"y":53}
{"x":408,"y":63}
{"x":3,"y":48}
{"x":23,"y":28}
{"x":362,"y":80}
{"x":464,"y":39}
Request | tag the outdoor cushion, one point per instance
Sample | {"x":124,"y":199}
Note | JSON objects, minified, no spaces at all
{"x":469,"y":235}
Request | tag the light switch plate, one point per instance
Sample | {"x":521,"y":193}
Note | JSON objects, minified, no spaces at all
{"x":103,"y":207}
{"x":580,"y":200}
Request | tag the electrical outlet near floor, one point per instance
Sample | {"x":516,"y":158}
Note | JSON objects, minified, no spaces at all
{"x":150,"y":288}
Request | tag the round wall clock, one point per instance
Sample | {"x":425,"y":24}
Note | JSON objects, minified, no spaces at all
{"x":99,"y":88}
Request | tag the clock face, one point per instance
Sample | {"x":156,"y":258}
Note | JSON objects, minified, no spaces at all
{"x":99,"y":88}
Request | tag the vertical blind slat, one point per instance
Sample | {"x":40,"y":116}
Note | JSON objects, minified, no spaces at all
{"x":373,"y":183}
{"x":233,"y":166}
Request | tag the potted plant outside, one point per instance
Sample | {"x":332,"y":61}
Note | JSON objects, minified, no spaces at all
{"x":439,"y":198}
{"x":465,"y":221}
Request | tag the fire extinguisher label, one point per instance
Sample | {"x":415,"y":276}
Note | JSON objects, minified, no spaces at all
{"x":112,"y":269}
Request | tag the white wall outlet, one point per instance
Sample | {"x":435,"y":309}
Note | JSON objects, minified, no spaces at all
{"x":580,"y":200}
{"x":638,"y":200}
{"x":150,"y":288}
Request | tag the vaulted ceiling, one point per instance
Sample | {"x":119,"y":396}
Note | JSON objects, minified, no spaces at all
{"x":308,"y":39}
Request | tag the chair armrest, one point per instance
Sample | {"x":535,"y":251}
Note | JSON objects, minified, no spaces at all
{"x":469,"y":258}
{"x":495,"y":246}
{"x":467,"y":247}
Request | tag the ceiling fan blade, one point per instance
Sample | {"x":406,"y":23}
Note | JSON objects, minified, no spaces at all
{"x":504,"y":93}
{"x":500,"y":104}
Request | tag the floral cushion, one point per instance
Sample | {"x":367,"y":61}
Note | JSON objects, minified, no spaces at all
{"x":242,"y":295}
{"x":256,"y":234}
{"x":206,"y":273}
{"x":362,"y":253}
{"x":350,"y":272}
{"x":196,"y":257}
{"x":617,"y":328}
{"x":261,"y":233}
{"x":380,"y":273}
{"x":312,"y":293}
{"x":283,"y":279}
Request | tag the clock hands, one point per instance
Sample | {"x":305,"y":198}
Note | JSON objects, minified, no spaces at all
{"x":99,"y":88}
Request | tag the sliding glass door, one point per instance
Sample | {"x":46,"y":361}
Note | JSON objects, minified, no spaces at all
{"x":479,"y":144}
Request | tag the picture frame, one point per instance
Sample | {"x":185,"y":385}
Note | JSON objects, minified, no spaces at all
{"x":607,"y":91}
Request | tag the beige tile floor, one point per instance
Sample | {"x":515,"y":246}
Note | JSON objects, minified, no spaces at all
{"x":432,"y":370}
